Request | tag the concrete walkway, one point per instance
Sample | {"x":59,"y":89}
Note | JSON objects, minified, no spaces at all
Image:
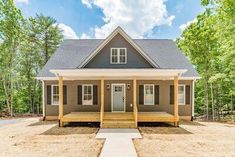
{"x":118,"y":142}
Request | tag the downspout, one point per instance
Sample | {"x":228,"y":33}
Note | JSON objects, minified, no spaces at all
{"x":193,"y":84}
{"x":43,"y":100}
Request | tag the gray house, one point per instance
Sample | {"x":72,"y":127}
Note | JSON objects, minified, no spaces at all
{"x":118,"y":81}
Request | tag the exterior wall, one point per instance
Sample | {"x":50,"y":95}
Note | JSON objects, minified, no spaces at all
{"x":164,"y":97}
{"x":134,"y":59}
{"x":71,"y":106}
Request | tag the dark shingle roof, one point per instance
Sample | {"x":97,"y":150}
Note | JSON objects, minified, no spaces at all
{"x":72,"y":53}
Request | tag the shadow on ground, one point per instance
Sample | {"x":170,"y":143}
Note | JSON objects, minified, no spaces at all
{"x":161,"y":128}
{"x":73,"y":128}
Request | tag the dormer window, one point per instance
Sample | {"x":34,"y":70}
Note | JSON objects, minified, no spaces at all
{"x":118,"y":56}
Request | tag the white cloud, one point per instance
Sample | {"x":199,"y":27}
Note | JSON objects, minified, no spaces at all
{"x":22,"y":1}
{"x":185,"y":25}
{"x":67,"y":31}
{"x":85,"y":36}
{"x":87,"y":3}
{"x":137,"y":17}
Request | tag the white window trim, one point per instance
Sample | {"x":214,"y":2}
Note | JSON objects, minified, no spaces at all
{"x":153,"y":94}
{"x":83,"y":102}
{"x":52,"y":95}
{"x":118,"y":55}
{"x":181,"y":85}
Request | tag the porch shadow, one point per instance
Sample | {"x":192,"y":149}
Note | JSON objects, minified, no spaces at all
{"x":73,"y":128}
{"x":161,"y":128}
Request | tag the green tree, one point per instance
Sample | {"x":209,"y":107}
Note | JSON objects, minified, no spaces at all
{"x":48,"y":34}
{"x":10,"y":34}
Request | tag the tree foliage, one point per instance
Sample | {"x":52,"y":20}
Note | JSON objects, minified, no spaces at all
{"x":25,"y":46}
{"x":210,"y":44}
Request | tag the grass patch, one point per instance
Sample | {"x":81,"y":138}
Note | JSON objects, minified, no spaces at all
{"x":161,"y":128}
{"x":73,"y":128}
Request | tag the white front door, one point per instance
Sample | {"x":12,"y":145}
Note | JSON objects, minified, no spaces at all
{"x":118,"y":97}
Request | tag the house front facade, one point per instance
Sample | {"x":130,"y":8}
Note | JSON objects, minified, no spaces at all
{"x":118,"y":81}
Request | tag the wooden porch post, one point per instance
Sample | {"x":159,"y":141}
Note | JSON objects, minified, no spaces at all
{"x":134,"y":103}
{"x":61,"y":100}
{"x":176,"y":111}
{"x":102,"y":102}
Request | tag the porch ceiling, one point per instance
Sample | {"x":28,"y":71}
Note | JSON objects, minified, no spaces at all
{"x":81,"y":74}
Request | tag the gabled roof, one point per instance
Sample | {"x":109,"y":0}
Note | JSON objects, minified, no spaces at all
{"x":120,"y":31}
{"x":161,"y":53}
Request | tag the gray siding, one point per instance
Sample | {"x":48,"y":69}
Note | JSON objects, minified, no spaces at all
{"x":134,"y":59}
{"x":164,"y":103}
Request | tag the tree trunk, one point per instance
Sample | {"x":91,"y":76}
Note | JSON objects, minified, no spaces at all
{"x":7,"y":96}
{"x":212,"y":102}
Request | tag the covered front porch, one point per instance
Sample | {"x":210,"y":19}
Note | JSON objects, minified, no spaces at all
{"x":114,"y":119}
{"x":119,"y":119}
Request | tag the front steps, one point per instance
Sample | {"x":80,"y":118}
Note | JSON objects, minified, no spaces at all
{"x":118,"y":120}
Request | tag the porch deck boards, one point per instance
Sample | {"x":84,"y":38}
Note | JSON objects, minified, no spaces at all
{"x":155,"y":117}
{"x":82,"y":117}
{"x":95,"y":116}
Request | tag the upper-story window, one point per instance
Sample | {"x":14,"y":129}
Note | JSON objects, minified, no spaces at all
{"x":118,"y":55}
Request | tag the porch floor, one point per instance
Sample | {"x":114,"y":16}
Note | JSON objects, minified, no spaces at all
{"x":95,"y":116}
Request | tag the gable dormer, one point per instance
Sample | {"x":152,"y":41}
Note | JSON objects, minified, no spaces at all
{"x":118,"y":50}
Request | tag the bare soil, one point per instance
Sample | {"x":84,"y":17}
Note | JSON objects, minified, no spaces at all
{"x":29,"y":137}
{"x":191,"y":139}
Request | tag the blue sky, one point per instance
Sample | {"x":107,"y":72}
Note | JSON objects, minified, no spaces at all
{"x":97,"y":18}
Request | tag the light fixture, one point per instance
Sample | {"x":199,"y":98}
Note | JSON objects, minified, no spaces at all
{"x":107,"y":86}
{"x":128,"y":86}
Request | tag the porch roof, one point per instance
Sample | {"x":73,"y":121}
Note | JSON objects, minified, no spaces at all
{"x":91,"y":74}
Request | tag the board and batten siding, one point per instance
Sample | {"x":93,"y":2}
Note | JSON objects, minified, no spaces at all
{"x":134,"y":59}
{"x":162,"y":104}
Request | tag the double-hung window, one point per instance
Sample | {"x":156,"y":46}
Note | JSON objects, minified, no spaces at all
{"x":181,"y":94}
{"x":148,"y":94}
{"x":118,"y":56}
{"x":55,"y":95}
{"x":87,"y":94}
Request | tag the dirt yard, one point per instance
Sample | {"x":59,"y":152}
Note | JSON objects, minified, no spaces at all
{"x":190,"y":139}
{"x":28,"y":138}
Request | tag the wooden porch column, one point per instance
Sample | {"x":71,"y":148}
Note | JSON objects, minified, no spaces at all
{"x":176,"y":110}
{"x":102,"y":102}
{"x":134,"y":103}
{"x":61,"y":107}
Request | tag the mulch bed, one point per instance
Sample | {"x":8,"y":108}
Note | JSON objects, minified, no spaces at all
{"x":73,"y":128}
{"x":161,"y":128}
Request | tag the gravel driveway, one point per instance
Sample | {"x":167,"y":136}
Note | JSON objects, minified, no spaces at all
{"x":206,"y":140}
{"x":8,"y":121}
{"x":22,"y":139}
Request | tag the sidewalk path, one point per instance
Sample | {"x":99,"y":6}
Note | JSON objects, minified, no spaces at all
{"x":118,"y":142}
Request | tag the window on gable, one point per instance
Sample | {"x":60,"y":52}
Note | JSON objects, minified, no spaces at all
{"x":118,"y":55}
